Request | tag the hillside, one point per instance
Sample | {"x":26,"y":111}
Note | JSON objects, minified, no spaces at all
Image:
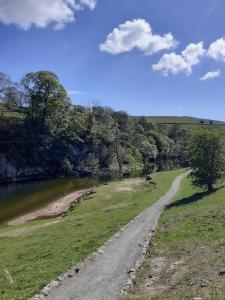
{"x":185,"y":120}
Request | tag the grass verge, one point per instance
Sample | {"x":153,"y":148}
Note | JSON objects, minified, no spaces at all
{"x":35,"y":254}
{"x":187,"y":257}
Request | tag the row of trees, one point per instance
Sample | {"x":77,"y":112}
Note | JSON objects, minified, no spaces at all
{"x":42,"y":130}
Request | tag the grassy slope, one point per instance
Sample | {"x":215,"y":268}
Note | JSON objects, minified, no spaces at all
{"x":186,"y":122}
{"x":175,"y":119}
{"x":36,"y":258}
{"x":188,"y":250}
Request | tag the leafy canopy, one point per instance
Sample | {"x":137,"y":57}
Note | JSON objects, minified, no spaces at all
{"x":207,"y":158}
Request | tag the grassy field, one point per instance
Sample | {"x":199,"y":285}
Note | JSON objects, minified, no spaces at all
{"x":176,"y":119}
{"x":32,"y":255}
{"x":187,"y":256}
{"x":167,"y":123}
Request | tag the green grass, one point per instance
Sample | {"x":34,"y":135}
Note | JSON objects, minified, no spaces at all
{"x":191,"y":123}
{"x":176,"y":119}
{"x":35,"y":258}
{"x":190,"y":243}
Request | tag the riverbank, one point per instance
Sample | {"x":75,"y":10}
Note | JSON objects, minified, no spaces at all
{"x":22,"y":199}
{"x":54,"y":209}
{"x":51,"y":250}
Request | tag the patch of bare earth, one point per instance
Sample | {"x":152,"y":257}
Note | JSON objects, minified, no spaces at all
{"x":54,"y":209}
{"x":129,"y":185}
{"x":196,"y":274}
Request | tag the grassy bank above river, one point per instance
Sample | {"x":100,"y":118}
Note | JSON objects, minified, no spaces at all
{"x":187,"y":257}
{"x":32,"y":255}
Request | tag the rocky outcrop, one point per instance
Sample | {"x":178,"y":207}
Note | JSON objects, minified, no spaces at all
{"x":9,"y":172}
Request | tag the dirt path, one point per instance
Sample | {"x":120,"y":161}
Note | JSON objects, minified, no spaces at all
{"x":53,"y":209}
{"x":103,"y":277}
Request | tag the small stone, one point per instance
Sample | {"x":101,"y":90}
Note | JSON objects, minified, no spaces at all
{"x":45,"y":291}
{"x":221,"y":272}
{"x":132,"y":270}
{"x":204,"y":284}
{"x":129,"y":282}
{"x":54,"y":284}
{"x":100,"y":251}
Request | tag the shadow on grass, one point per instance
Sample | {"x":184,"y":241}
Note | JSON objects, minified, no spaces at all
{"x":194,"y":198}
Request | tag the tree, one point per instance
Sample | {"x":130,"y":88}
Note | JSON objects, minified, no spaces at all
{"x":149,"y":154}
{"x":207,"y":158}
{"x":45,"y":96}
{"x":121,"y":133}
{"x":182,"y":140}
{"x":4,"y":83}
{"x":9,"y":92}
{"x":47,"y":120}
{"x":164,"y":144}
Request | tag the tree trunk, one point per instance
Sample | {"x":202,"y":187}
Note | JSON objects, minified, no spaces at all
{"x":210,"y":187}
{"x":120,"y":164}
{"x":121,"y":173}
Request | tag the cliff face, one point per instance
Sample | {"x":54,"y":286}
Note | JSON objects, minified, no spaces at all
{"x":9,"y":172}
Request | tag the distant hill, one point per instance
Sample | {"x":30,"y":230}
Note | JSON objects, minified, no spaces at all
{"x":183,"y":120}
{"x":191,"y":123}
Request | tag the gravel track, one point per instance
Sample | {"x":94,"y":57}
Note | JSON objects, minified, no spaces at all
{"x":103,"y":277}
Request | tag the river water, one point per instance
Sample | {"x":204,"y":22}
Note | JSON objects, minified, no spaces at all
{"x":19,"y":199}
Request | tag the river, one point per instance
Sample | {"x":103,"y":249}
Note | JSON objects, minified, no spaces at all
{"x":21,"y":198}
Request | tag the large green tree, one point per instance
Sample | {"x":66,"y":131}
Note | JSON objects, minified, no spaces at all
{"x":47,"y":99}
{"x":47,"y":121}
{"x":207,"y":158}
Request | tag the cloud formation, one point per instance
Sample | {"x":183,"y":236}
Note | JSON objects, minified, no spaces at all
{"x":173,"y":63}
{"x":136,"y":34}
{"x":211,"y":75}
{"x":41,"y":13}
{"x":75,"y":93}
{"x":217,"y":50}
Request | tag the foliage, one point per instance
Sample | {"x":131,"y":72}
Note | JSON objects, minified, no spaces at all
{"x":41,"y":129}
{"x":207,"y":158}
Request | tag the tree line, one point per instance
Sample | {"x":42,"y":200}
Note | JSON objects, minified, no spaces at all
{"x":44,"y":133}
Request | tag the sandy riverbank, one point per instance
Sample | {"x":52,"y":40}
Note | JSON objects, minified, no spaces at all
{"x":54,"y":209}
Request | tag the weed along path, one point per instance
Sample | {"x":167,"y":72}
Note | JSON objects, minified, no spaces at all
{"x":104,"y":274}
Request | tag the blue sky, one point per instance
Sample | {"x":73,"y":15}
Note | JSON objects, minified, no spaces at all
{"x":69,"y":46}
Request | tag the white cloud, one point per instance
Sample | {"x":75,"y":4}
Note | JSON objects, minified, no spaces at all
{"x":193,"y":53}
{"x":74,"y":92}
{"x":25,"y":13}
{"x":181,"y":63}
{"x":89,"y":3}
{"x":211,"y":75}
{"x":217,"y":50}
{"x":172,"y":63}
{"x":136,"y":34}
